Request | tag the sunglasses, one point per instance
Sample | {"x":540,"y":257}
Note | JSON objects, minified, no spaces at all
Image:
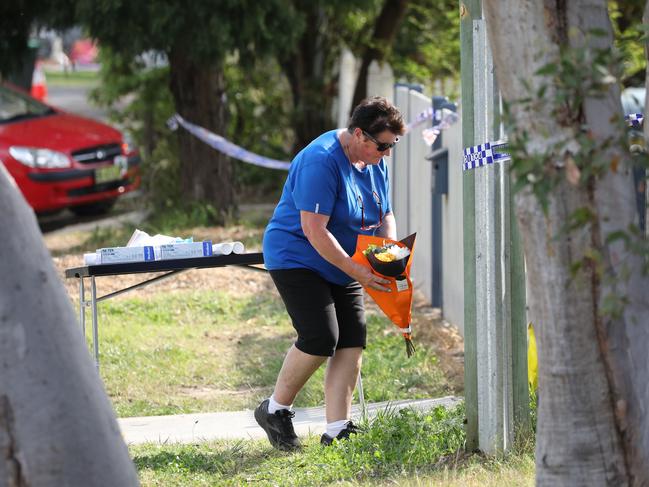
{"x":378,"y":202}
{"x":380,"y":146}
{"x":359,"y":198}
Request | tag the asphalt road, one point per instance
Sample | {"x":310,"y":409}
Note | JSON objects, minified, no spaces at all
{"x":75,"y":99}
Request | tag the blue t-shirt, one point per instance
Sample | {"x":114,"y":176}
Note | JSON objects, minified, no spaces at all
{"x":322,"y":180}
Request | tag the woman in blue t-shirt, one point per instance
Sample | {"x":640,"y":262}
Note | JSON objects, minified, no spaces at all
{"x":337,"y":187}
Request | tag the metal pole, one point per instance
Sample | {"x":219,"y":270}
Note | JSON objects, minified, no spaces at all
{"x":436,"y":221}
{"x":469,"y":11}
{"x":82,"y":307}
{"x":505,"y":251}
{"x":361,"y":396}
{"x":95,"y":332}
{"x":521,"y":395}
{"x":491,"y":343}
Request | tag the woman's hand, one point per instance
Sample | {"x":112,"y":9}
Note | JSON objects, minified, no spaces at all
{"x":367,"y":278}
{"x":315,"y":230}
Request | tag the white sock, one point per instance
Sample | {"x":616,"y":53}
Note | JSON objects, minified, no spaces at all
{"x":336,"y":427}
{"x":273,"y":405}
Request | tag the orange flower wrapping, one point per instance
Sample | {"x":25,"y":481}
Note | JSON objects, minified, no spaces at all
{"x":396,"y":304}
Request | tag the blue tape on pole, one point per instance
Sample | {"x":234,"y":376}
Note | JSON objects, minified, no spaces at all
{"x":421,"y":118}
{"x":484,"y":154}
{"x":491,"y":152}
{"x":445,"y":119}
{"x":634,"y":119}
{"x":221,"y":144}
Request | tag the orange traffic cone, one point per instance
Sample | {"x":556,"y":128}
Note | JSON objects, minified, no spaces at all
{"x":39,"y":83}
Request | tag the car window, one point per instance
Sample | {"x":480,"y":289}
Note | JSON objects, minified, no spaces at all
{"x":17,"y":106}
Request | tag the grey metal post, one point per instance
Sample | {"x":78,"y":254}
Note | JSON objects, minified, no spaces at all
{"x":82,"y":307}
{"x":469,"y":11}
{"x":95,"y":332}
{"x":506,"y":305}
{"x":493,"y":352}
{"x":361,"y":396}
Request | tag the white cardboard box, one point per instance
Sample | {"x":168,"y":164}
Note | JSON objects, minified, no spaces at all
{"x":116,"y":255}
{"x":186,"y":250}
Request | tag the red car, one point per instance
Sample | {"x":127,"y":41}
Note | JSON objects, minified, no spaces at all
{"x":60,"y":160}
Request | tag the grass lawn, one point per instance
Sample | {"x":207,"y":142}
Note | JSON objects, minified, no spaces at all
{"x":199,"y":351}
{"x":405,"y":448}
{"x":215,"y":342}
{"x":206,"y":351}
{"x":72,"y":78}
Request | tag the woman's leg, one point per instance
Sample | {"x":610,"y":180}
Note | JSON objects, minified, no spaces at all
{"x":296,"y":370}
{"x":341,"y":377}
{"x":343,"y":368}
{"x":310,"y":304}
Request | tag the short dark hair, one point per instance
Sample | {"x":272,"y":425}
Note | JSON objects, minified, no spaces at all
{"x":375,"y":115}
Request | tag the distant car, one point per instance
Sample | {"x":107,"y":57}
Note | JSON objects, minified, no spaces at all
{"x":60,"y":160}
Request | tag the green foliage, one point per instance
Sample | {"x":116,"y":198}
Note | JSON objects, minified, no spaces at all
{"x":257,"y":102}
{"x":144,"y":118}
{"x":86,"y":79}
{"x":260,"y":121}
{"x":580,"y":158}
{"x":401,"y":440}
{"x":17,"y":22}
{"x":630,"y":38}
{"x":204,"y":31}
{"x":260,"y":113}
{"x":428,"y":45}
{"x":394,"y":444}
{"x":149,"y":103}
{"x":196,"y":39}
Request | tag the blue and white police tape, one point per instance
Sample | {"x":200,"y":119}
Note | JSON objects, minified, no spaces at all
{"x":484,"y":154}
{"x":221,"y":144}
{"x":634,"y":119}
{"x":445,"y":119}
{"x":421,"y":118}
{"x":438,"y":116}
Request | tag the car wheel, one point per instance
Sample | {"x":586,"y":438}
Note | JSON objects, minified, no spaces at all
{"x":93,"y":209}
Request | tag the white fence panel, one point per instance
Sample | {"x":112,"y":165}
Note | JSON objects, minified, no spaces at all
{"x":412,"y":202}
{"x":452,"y":231}
{"x":412,"y":193}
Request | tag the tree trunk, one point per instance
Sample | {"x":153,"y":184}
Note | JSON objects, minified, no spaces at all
{"x":57,"y":426}
{"x":592,"y":425}
{"x":385,"y":30}
{"x":645,"y":21}
{"x":199,"y":97}
{"x":312,"y":85}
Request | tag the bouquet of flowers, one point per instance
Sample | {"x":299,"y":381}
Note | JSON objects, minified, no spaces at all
{"x":391,"y":259}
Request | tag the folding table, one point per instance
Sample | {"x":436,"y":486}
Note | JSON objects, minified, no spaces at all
{"x":169,"y":268}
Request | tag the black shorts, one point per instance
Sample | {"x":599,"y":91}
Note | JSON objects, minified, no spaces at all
{"x":326,"y":316}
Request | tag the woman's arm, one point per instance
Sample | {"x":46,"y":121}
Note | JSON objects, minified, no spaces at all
{"x":314,"y":226}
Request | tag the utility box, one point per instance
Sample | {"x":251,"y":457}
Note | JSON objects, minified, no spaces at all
{"x":439,"y":158}
{"x":439,"y":155}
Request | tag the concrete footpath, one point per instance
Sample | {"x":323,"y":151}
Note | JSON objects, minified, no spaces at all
{"x":190,"y":428}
